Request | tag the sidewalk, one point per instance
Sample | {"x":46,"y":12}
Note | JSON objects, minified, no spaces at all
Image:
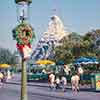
{"x":16,"y":79}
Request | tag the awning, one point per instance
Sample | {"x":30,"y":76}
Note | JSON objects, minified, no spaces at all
{"x":4,"y":65}
{"x":45,"y":62}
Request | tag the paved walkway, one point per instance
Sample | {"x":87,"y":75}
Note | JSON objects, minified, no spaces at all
{"x":16,"y":79}
{"x":41,"y":90}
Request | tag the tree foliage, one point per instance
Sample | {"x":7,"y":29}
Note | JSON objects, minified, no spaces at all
{"x":75,"y":46}
{"x":7,"y":57}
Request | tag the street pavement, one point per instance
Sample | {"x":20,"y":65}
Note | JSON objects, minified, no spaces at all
{"x":41,"y":91}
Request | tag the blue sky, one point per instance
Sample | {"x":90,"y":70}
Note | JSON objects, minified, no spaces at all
{"x":77,"y":15}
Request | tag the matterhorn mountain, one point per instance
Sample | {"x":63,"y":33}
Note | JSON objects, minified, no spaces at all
{"x":56,"y":28}
{"x":50,"y":39}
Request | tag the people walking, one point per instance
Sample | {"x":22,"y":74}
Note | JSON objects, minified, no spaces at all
{"x":66,"y":69}
{"x":4,"y":79}
{"x":57,"y":82}
{"x":52,"y":80}
{"x":64,"y":83}
{"x":75,"y":82}
{"x":1,"y":76}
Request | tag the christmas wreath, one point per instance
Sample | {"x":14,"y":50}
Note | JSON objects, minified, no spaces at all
{"x":23,"y":34}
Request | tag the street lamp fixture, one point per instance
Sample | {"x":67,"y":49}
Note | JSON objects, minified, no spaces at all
{"x":22,"y":9}
{"x":28,"y":1}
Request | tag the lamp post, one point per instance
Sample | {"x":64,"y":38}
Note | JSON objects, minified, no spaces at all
{"x":24,"y":35}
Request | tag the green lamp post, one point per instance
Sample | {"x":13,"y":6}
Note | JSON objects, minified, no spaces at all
{"x":24,"y":35}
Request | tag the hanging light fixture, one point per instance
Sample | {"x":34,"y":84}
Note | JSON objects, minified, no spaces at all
{"x":22,"y":9}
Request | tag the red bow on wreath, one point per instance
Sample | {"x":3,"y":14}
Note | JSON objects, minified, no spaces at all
{"x":25,"y":50}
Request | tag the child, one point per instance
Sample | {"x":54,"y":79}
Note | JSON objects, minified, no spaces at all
{"x":52,"y":80}
{"x":64,"y":82}
{"x":57,"y":81}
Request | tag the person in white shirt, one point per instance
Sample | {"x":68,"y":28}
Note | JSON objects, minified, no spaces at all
{"x":57,"y":81}
{"x":52,"y":80}
{"x":75,"y":82}
{"x":1,"y":77}
{"x":80,"y":70}
{"x":44,"y":71}
{"x":64,"y":82}
{"x":66,"y":69}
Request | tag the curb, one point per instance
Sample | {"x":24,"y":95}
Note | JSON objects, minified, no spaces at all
{"x":18,"y":83}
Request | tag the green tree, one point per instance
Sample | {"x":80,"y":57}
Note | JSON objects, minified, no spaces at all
{"x":76,"y":41}
{"x":75,"y":46}
{"x":7,"y":57}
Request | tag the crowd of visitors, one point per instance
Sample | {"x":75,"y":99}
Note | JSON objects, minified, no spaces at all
{"x":60,"y":82}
